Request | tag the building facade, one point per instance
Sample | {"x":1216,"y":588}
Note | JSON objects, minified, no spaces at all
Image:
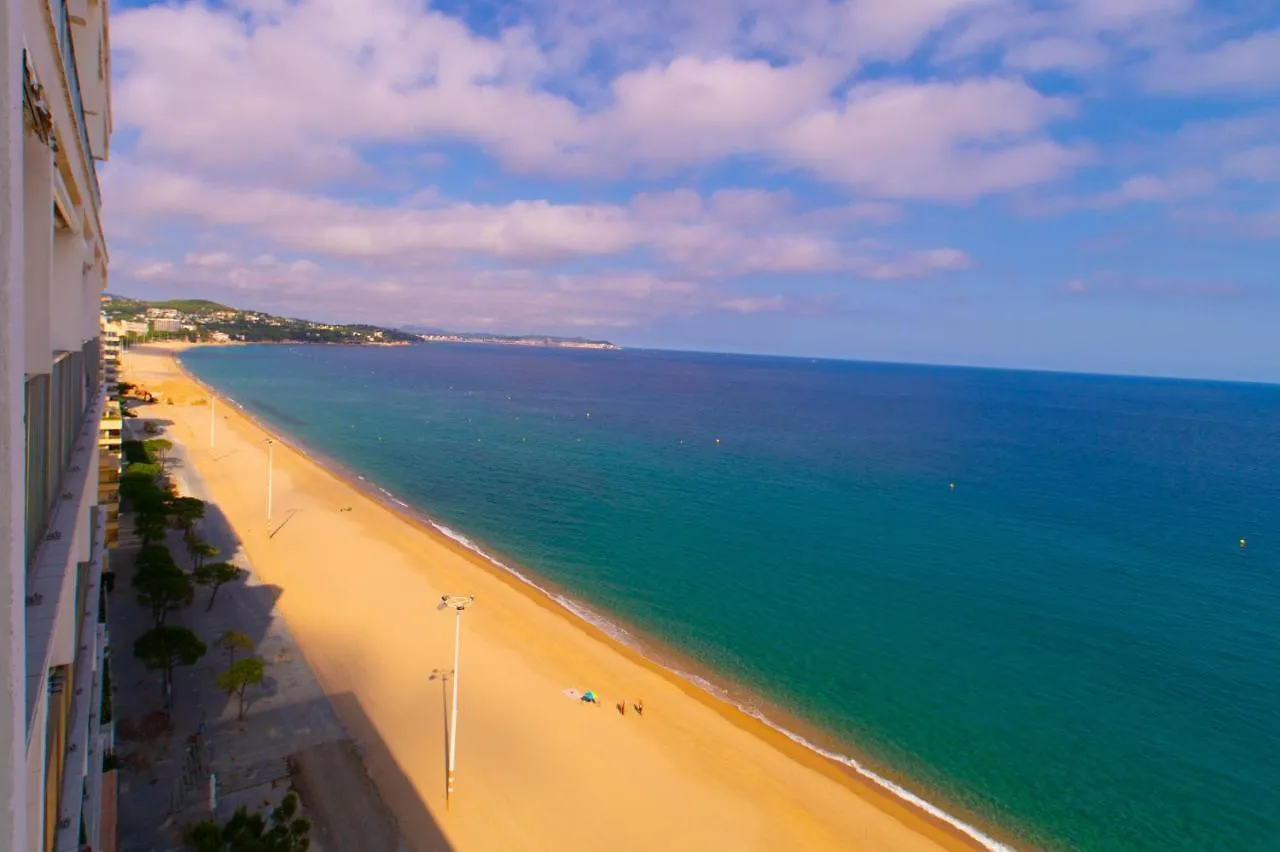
{"x":59,"y":427}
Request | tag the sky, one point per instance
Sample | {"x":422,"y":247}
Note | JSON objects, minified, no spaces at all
{"x":1086,"y":185}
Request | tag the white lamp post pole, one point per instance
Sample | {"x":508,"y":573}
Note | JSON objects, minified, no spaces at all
{"x":458,"y":603}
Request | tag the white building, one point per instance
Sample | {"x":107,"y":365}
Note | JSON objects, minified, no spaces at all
{"x":55,"y":501}
{"x":166,"y":324}
{"x":138,"y":327}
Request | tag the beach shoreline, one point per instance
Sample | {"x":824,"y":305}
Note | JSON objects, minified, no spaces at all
{"x":794,"y":738}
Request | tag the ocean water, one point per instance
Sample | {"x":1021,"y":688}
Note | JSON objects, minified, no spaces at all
{"x":1021,"y":594}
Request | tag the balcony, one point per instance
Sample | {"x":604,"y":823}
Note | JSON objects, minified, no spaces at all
{"x":50,"y":588}
{"x":82,"y":758}
{"x":62,"y":21}
{"x":110,"y":427}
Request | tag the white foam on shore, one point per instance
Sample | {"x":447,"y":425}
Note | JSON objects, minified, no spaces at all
{"x":616,"y":632}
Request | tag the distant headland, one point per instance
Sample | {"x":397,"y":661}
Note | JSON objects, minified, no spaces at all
{"x":204,"y":321}
{"x":516,"y":340}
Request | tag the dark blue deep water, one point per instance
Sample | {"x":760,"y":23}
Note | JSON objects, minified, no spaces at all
{"x":1070,"y":644}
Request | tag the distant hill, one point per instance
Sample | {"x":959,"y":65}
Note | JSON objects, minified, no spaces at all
{"x":432,"y":335}
{"x":123,"y":304}
{"x":208,"y":321}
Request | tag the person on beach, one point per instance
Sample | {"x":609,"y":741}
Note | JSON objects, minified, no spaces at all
{"x":639,"y":705}
{"x":622,"y":707}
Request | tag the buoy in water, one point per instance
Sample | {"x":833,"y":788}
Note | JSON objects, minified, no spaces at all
{"x":717,"y":440}
{"x":953,"y":486}
{"x":1243,"y":543}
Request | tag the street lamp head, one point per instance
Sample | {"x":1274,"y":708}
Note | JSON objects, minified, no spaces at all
{"x":458,"y":602}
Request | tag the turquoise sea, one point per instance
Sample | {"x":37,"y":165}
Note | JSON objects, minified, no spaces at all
{"x":1023,"y":593}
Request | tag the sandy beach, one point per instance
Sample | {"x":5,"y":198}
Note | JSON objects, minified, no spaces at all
{"x":537,"y":769}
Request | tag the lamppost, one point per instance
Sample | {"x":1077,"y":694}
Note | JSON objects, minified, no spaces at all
{"x":457,"y":603}
{"x":270,"y":464}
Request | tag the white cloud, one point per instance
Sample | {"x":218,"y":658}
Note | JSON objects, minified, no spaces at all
{"x":1057,"y":54}
{"x":894,"y":29}
{"x":1260,"y":163}
{"x":1109,"y":283}
{"x":299,"y":92}
{"x":1104,"y":15}
{"x":213,"y":259}
{"x":676,"y":228}
{"x":263,"y":127}
{"x":1240,"y":66}
{"x":754,"y":305}
{"x":1139,"y":189}
{"x":153,"y":269}
{"x":935,"y":140}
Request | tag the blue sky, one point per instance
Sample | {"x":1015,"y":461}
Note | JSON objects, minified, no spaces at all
{"x":1058,"y":185}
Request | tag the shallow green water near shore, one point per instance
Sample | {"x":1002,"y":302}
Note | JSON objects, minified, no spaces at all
{"x":1070,"y":643}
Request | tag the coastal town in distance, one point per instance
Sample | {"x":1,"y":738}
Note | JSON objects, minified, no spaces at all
{"x":204,"y":321}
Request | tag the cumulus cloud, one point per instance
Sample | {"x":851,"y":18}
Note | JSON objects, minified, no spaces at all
{"x":305,"y":90}
{"x":319,"y":148}
{"x":938,"y":139}
{"x":1259,"y":163}
{"x":754,"y":305}
{"x":212,"y":259}
{"x":676,"y":228}
{"x":1244,"y":65}
{"x":1057,"y":54}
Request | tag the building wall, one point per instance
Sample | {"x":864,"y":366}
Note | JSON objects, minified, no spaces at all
{"x":13,"y":768}
{"x":55,"y":108}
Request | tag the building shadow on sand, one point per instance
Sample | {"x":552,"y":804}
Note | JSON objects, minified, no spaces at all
{"x":417,"y":827}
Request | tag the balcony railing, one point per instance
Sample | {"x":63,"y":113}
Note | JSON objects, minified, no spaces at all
{"x":57,"y":404}
{"x":63,"y":20}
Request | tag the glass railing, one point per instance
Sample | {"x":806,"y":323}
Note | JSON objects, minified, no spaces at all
{"x":67,"y":44}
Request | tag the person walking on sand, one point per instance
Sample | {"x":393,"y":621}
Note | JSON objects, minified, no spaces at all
{"x":639,"y":705}
{"x":622,"y":707}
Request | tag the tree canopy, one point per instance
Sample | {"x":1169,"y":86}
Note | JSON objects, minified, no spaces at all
{"x":285,"y":831}
{"x":232,"y":641}
{"x":214,"y":575}
{"x":185,"y":511}
{"x":160,"y":584}
{"x":242,"y":674}
{"x":164,"y":648}
{"x":158,"y":447}
{"x":200,"y":551}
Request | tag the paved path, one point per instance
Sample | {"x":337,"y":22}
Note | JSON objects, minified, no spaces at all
{"x":164,"y":774}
